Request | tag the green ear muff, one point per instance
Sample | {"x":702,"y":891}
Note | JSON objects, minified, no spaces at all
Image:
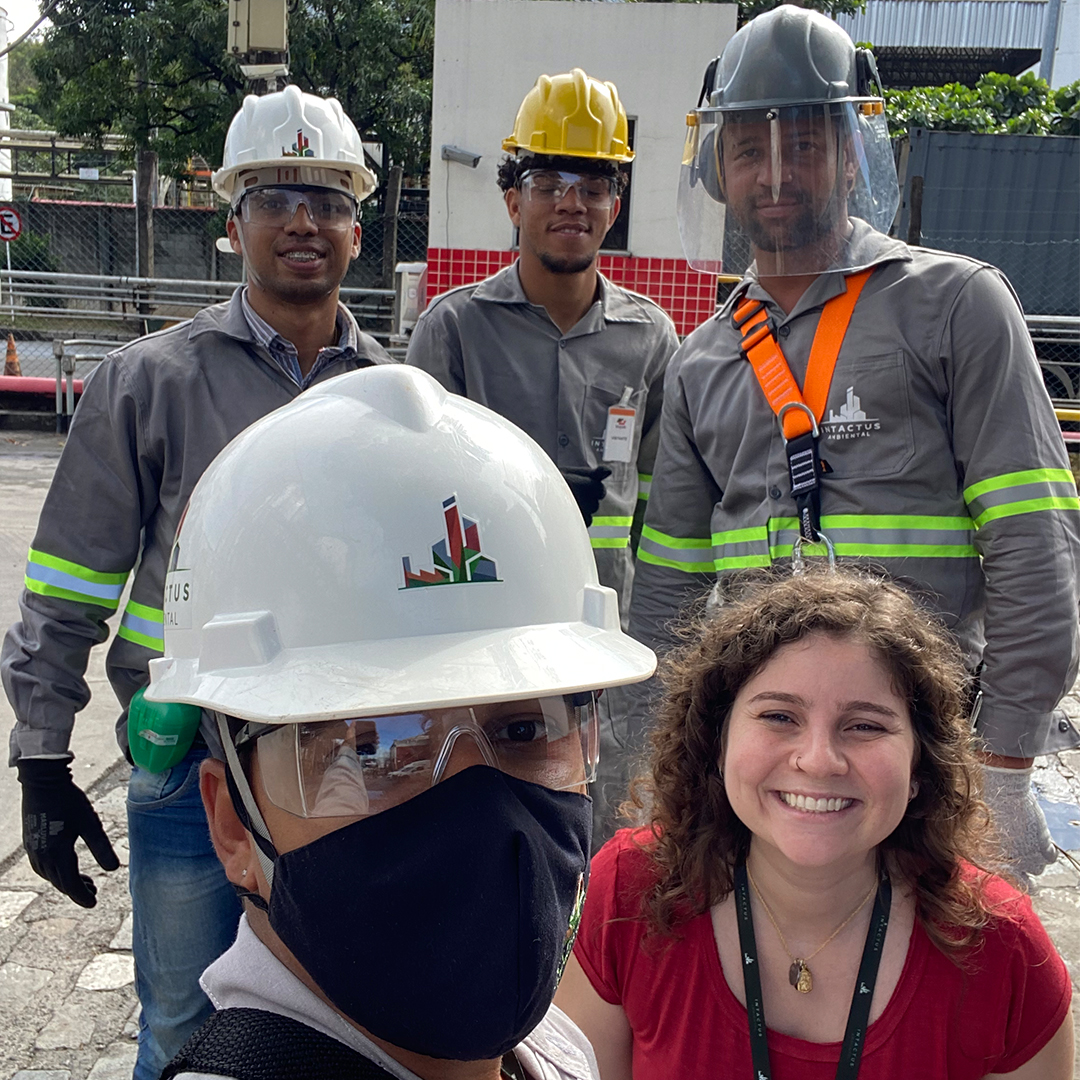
{"x":160,"y":733}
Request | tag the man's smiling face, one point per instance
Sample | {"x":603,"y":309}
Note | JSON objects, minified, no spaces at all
{"x":297,"y":263}
{"x":564,"y":235}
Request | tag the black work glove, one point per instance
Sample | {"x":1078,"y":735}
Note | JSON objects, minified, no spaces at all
{"x":55,"y":814}
{"x":587,"y":486}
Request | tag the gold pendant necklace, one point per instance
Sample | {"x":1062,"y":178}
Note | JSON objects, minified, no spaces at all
{"x":799,"y":973}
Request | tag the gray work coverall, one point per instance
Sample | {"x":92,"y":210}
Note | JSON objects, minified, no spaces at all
{"x":153,"y":416}
{"x":489,"y":344}
{"x":948,"y":471}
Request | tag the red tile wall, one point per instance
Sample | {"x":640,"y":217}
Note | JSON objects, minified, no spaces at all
{"x":687,"y":296}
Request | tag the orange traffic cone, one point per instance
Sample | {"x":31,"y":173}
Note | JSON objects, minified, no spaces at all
{"x":11,"y":360}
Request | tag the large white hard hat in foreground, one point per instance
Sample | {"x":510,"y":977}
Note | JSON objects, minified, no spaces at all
{"x":301,"y":134}
{"x":381,"y":546}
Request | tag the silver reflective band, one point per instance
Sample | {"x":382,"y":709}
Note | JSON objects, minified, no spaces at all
{"x":551,"y":187}
{"x":353,"y":768}
{"x":276,"y":207}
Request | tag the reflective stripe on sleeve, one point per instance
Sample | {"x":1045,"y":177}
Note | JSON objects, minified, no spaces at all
{"x":1024,"y":492}
{"x":49,"y":575}
{"x":883,"y":536}
{"x":610,"y":532}
{"x":644,"y":485}
{"x":692,"y":556}
{"x":143,"y":625}
{"x":738,"y":548}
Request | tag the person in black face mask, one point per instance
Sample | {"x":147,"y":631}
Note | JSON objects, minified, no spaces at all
{"x":398,"y":790}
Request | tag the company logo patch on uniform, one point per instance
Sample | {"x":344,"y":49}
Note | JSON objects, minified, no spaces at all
{"x":458,"y":558}
{"x":851,"y":422}
{"x":300,"y":148}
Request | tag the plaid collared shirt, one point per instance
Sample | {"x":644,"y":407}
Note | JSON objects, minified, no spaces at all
{"x":284,"y":353}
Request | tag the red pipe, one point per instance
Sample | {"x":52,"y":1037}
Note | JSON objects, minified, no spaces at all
{"x":34,"y":384}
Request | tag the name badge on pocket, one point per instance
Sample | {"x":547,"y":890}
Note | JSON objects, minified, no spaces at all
{"x":619,"y":433}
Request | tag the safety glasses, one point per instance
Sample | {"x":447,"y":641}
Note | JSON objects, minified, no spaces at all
{"x":275,"y":207}
{"x":354,"y":768}
{"x":549,"y":186}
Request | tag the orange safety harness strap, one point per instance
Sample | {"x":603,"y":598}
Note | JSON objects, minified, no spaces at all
{"x":799,"y":411}
{"x":761,"y":348}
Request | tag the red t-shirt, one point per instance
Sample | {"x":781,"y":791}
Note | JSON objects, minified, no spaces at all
{"x":941,"y":1023}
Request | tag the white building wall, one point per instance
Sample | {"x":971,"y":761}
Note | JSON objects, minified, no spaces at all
{"x":1067,"y":57}
{"x":488,"y":54}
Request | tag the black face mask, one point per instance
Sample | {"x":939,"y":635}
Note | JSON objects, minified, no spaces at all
{"x":442,"y":925}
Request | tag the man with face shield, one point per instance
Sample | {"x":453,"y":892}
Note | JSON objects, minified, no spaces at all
{"x":385,"y":601}
{"x":153,"y":416}
{"x":859,"y":398}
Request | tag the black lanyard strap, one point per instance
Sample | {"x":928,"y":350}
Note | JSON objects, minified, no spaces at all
{"x":862,"y":998}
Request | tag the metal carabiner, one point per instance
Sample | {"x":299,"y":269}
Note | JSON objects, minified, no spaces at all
{"x":803,"y":407}
{"x":798,"y":566}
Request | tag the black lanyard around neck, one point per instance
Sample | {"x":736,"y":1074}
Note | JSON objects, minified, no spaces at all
{"x":858,"y":1015}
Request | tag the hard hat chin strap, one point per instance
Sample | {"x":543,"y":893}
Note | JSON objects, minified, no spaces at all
{"x":244,"y":804}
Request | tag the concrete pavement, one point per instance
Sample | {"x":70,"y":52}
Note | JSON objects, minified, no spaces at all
{"x":67,"y":1002}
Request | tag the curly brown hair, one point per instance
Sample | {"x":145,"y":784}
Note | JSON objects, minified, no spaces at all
{"x":695,"y":841}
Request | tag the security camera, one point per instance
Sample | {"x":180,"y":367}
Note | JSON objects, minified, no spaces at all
{"x":462,"y":157}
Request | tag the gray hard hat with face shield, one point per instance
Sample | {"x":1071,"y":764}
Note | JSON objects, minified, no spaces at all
{"x":788,"y":144}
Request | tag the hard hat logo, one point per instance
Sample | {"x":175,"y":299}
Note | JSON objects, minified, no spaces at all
{"x":325,"y":139}
{"x":458,"y":558}
{"x":300,"y":148}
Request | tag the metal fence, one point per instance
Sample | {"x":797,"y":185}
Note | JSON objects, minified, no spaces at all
{"x":41,"y":307}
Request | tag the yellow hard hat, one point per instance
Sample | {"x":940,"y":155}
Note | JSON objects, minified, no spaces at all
{"x":572,"y":115}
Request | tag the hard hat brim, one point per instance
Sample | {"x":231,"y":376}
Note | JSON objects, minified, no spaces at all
{"x":378,"y":678}
{"x":223,"y":180}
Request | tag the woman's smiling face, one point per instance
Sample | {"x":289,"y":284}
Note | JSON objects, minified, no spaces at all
{"x":818,"y":752}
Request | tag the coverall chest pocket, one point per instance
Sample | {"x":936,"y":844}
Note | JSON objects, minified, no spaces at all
{"x":599,"y":400}
{"x":866,"y":429}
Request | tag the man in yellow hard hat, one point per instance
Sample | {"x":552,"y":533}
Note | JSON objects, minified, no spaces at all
{"x":553,"y":345}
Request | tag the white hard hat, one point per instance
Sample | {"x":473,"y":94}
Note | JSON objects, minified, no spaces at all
{"x":296,"y":131}
{"x":381,"y":546}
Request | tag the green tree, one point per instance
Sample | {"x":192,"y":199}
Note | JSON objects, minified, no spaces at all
{"x":996,"y":104}
{"x":23,"y":86}
{"x":156,"y":71}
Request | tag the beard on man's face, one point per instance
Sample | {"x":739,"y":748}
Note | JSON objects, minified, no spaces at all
{"x":565,"y":264}
{"x":807,"y":227}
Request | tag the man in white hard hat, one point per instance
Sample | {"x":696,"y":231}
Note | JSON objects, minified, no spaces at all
{"x":550,"y":343}
{"x":404,"y":920}
{"x":152,"y":418}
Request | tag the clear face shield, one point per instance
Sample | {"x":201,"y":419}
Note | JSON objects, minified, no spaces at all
{"x":355,"y":768}
{"x":782,"y":186}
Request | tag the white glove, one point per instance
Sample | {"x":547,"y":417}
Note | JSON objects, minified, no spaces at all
{"x":1025,"y":839}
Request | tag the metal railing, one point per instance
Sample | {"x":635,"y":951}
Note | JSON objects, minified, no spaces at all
{"x":44,"y":301}
{"x":1057,"y":345}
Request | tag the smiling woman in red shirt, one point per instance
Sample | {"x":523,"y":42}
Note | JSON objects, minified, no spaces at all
{"x":807,"y":899}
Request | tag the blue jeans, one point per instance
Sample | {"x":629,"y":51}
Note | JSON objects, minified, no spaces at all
{"x":185,"y":910}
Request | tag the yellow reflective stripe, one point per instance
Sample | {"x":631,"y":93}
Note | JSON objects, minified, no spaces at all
{"x":691,"y":555}
{"x":1028,"y":506}
{"x":48,"y":575}
{"x":738,"y":548}
{"x":1017,"y":479}
{"x":883,"y":536}
{"x":143,"y":625}
{"x":644,"y":481}
{"x":1026,"y":492}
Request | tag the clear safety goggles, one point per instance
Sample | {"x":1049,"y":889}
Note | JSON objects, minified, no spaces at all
{"x":275,"y":207}
{"x":355,"y":768}
{"x":782,"y":185}
{"x":551,"y":186}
